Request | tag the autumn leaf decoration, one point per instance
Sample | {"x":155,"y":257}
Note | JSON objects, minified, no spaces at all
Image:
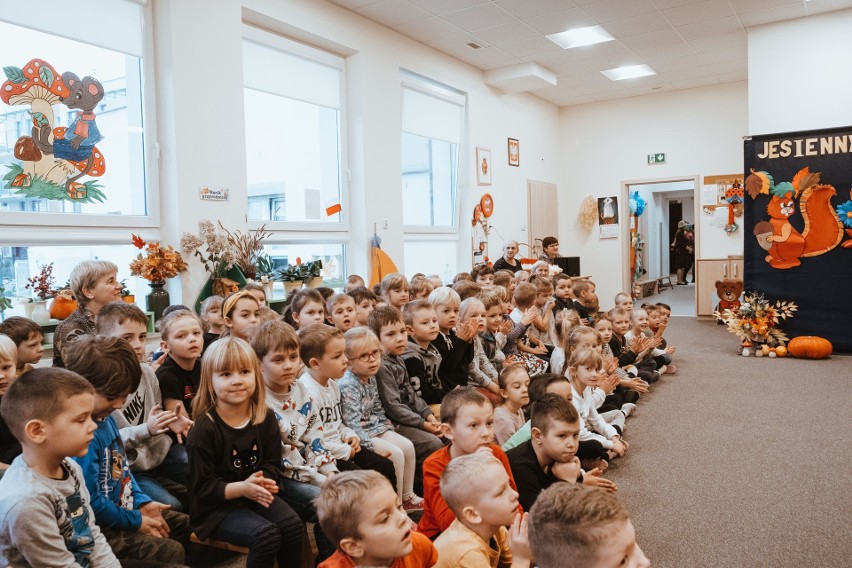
{"x":757,"y":183}
{"x":804,"y":179}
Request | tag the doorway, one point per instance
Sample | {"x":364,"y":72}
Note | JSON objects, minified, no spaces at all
{"x":667,"y":202}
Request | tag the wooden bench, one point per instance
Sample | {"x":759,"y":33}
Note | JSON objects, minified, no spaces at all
{"x":645,"y":288}
{"x":220,"y":544}
{"x":310,"y":550}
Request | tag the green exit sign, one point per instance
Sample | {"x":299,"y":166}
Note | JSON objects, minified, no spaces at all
{"x":657,"y":158}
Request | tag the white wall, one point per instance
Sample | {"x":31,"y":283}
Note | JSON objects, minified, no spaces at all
{"x":799,"y":75}
{"x":605,"y":144}
{"x":203,"y":141}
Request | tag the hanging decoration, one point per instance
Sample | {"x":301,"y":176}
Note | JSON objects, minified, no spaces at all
{"x":588,"y":214}
{"x":54,"y":158}
{"x":481,"y":229}
{"x":637,"y":207}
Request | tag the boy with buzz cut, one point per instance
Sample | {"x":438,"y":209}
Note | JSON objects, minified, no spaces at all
{"x":155,"y":461}
{"x":28,"y":338}
{"x":365,"y":301}
{"x":571,"y":525}
{"x":341,"y":312}
{"x":354,"y":281}
{"x":322,"y":351}
{"x":407,"y":411}
{"x":46,"y":518}
{"x":478,"y":491}
{"x":359,"y":510}
{"x":135,"y":526}
{"x":466,"y":417}
{"x":421,"y":357}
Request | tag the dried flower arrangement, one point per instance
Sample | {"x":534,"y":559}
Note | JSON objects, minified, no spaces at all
{"x":42,"y":284}
{"x":158,"y":264}
{"x":220,"y":249}
{"x":756,"y":320}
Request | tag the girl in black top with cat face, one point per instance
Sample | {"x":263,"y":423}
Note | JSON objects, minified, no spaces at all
{"x":234,"y":458}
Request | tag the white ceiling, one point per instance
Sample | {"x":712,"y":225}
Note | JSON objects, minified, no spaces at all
{"x":689,"y":43}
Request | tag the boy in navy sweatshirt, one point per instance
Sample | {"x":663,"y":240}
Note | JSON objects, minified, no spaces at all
{"x":135,"y":526}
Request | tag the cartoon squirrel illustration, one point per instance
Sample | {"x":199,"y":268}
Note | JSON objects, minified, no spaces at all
{"x":784,"y":244}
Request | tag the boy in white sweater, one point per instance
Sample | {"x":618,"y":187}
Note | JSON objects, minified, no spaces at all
{"x":322,"y":351}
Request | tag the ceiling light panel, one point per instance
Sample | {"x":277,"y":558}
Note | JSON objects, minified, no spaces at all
{"x":629,"y":72}
{"x":579,"y":37}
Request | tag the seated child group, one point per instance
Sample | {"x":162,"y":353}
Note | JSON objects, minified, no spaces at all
{"x":488,"y":410}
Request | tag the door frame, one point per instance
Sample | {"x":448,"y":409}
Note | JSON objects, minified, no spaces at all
{"x":627,"y":276}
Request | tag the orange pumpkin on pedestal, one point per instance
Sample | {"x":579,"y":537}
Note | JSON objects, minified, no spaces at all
{"x":63,"y":305}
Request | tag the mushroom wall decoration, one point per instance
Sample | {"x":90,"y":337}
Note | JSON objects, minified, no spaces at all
{"x":38,"y":85}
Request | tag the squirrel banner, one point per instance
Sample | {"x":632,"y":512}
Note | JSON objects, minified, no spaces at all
{"x":797,"y":226}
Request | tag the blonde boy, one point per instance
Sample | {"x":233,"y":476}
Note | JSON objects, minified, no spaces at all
{"x":420,"y":356}
{"x":479,"y":493}
{"x":359,"y":511}
{"x":45,"y":514}
{"x":624,"y":302}
{"x":454,"y":339}
{"x":341,"y":312}
{"x":466,"y":417}
{"x":365,"y":301}
{"x":10,"y":448}
{"x":571,"y":525}
{"x":28,"y":339}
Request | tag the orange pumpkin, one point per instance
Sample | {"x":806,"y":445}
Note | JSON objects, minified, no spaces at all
{"x":809,"y":347}
{"x":63,"y":305}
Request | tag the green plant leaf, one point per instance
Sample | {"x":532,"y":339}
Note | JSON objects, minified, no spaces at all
{"x":14,"y":74}
{"x":46,"y":75}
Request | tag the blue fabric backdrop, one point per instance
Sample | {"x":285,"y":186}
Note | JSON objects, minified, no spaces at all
{"x":821,"y":285}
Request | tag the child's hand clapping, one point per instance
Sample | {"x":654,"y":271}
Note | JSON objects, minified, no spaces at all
{"x":671,"y":350}
{"x":635,"y":384}
{"x":159,"y":420}
{"x":466,"y":331}
{"x":506,"y":326}
{"x":259,"y":489}
{"x":529,"y":315}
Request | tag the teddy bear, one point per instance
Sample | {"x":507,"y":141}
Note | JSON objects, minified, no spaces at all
{"x":729,"y":292}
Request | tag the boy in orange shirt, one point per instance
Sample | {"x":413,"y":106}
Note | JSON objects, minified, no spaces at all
{"x":466,"y":417}
{"x":361,"y":513}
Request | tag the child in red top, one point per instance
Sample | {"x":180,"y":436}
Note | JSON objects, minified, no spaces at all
{"x":466,"y":417}
{"x":361,"y":513}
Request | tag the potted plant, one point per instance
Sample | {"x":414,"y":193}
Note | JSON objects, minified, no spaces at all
{"x":5,"y":303}
{"x":42,"y":285}
{"x":157,"y":265}
{"x":211,"y":246}
{"x":312,"y":273}
{"x":292,"y":278}
{"x":126,"y":295}
{"x":265,"y":271}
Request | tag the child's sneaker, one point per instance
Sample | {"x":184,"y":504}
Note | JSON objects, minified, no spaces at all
{"x":627,"y":408}
{"x":413,"y":503}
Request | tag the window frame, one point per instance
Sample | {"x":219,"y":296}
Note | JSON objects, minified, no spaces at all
{"x":289,"y":230}
{"x":429,"y":87}
{"x":38,"y":227}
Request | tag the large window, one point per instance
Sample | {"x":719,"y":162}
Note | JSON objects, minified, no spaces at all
{"x":116,"y":181}
{"x":432,"y":125}
{"x":293,"y":106}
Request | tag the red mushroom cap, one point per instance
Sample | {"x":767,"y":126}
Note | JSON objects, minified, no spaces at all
{"x":98,"y":166}
{"x":36,"y":80}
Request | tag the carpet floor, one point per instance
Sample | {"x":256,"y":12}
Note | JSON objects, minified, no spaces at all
{"x":740,"y":461}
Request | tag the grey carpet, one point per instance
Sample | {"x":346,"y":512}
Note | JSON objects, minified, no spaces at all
{"x":740,"y":461}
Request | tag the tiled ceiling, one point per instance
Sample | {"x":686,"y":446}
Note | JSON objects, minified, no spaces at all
{"x":689,"y":43}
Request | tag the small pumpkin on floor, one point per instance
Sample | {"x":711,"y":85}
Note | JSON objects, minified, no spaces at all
{"x":809,"y":347}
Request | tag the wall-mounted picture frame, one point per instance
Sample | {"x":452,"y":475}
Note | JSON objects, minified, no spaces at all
{"x":514,"y":152}
{"x":483,"y":166}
